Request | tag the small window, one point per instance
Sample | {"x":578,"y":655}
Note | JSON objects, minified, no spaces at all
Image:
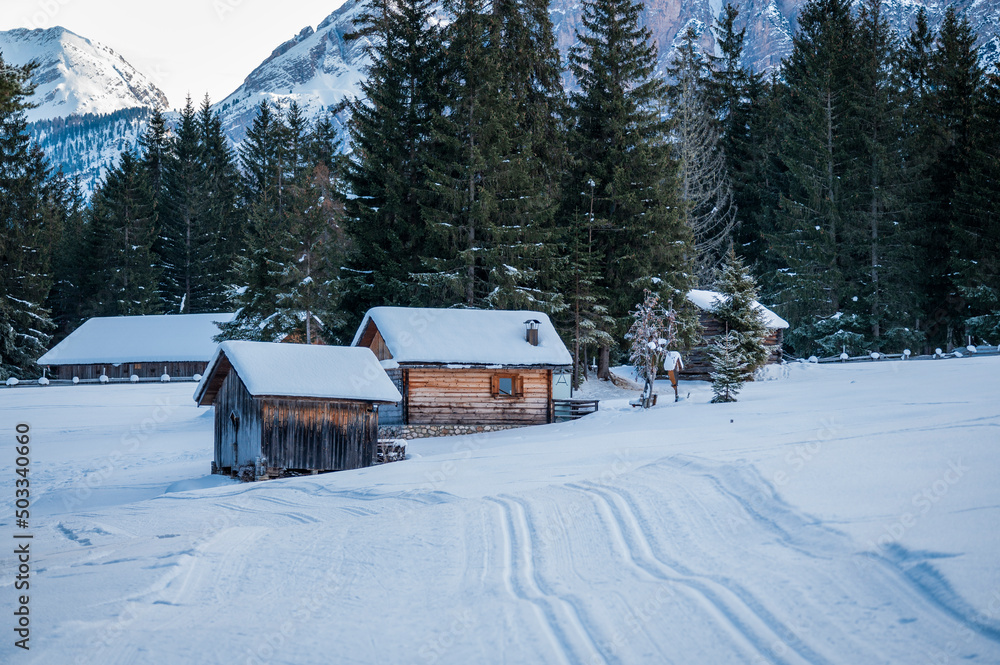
{"x":507,"y":386}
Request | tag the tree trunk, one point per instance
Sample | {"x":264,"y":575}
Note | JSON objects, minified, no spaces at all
{"x":604,"y":363}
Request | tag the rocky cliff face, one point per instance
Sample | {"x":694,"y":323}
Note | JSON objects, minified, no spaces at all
{"x":318,"y":68}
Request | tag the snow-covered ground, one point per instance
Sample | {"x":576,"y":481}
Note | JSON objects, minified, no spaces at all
{"x":839,"y":514}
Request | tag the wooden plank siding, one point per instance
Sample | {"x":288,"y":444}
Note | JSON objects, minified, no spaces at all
{"x":447,"y":396}
{"x":236,"y":445}
{"x":290,"y":432}
{"x":373,"y":339}
{"x":318,"y":434}
{"x":143,"y":370}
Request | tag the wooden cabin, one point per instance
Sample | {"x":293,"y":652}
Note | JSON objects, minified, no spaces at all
{"x":119,"y":347}
{"x":698,"y":365}
{"x":293,"y":408}
{"x":466,"y":368}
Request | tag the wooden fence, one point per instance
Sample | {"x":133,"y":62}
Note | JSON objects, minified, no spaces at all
{"x":571,"y":409}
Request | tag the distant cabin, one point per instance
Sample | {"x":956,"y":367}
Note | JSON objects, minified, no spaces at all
{"x":698,"y":365}
{"x":179,"y":345}
{"x":466,"y":367}
{"x":282,"y":409}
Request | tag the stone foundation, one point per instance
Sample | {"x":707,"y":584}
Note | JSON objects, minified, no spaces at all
{"x":423,"y":431}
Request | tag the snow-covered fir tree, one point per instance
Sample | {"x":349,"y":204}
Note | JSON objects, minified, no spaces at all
{"x":307,"y":305}
{"x":729,"y":371}
{"x":29,"y":219}
{"x":390,"y":129}
{"x":745,"y":324}
{"x":618,"y":140}
{"x":123,"y":273}
{"x":285,"y":281}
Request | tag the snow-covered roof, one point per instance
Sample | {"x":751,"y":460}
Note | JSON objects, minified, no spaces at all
{"x":131,"y":339}
{"x":707,"y":300}
{"x":299,"y":370}
{"x":465,"y":336}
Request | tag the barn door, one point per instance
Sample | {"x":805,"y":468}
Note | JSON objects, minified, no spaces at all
{"x":235,"y":420}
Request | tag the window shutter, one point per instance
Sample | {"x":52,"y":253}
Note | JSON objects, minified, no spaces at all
{"x":519,"y":386}
{"x":495,"y":385}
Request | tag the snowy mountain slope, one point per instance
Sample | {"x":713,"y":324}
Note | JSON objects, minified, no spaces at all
{"x":841,"y":514}
{"x":77,"y":75}
{"x":318,"y":68}
{"x":92,"y":104}
{"x":86,"y":145}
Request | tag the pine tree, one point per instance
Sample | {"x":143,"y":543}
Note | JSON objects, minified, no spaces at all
{"x":705,"y":190}
{"x":737,"y":309}
{"x":223,"y":220}
{"x":878,"y":260}
{"x":390,"y":131}
{"x":183,"y":246}
{"x":808,"y":239}
{"x":977,"y":224}
{"x":29,"y":219}
{"x":258,"y":270}
{"x":495,"y":173}
{"x":748,"y":115}
{"x":958,"y":87}
{"x":729,"y":371}
{"x":122,"y":273}
{"x":586,"y":315}
{"x":954,"y":92}
{"x":307,"y":305}
{"x":67,"y":298}
{"x":154,"y":146}
{"x":467,"y":174}
{"x":618,"y":140}
{"x":522,"y":260}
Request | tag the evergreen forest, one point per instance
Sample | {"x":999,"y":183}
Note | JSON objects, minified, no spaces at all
{"x":483,"y":168}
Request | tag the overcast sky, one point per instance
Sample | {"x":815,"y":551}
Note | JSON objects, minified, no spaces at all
{"x":194,"y":46}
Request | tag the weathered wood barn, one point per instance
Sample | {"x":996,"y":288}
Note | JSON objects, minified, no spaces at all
{"x":698,"y":366}
{"x":466,"y":367}
{"x":179,"y":345}
{"x":283,"y":408}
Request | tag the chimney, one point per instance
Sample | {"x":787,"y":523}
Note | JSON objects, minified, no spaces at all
{"x":531,"y":331}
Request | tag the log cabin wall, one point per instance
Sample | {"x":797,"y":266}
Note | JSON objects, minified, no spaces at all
{"x":698,"y":365}
{"x":318,"y":434}
{"x":443,"y":396}
{"x":237,"y":424}
{"x":144,"y":370}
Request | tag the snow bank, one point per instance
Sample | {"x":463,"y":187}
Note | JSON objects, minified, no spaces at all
{"x":845,"y":514}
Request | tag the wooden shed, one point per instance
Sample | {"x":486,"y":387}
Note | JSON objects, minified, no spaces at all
{"x":119,"y":347}
{"x":466,"y":367}
{"x":698,"y":366}
{"x":293,"y":408}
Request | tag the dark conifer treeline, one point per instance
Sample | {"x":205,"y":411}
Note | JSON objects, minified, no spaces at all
{"x":857,"y":183}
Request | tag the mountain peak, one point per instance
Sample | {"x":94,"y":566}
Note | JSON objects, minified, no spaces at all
{"x":77,"y":75}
